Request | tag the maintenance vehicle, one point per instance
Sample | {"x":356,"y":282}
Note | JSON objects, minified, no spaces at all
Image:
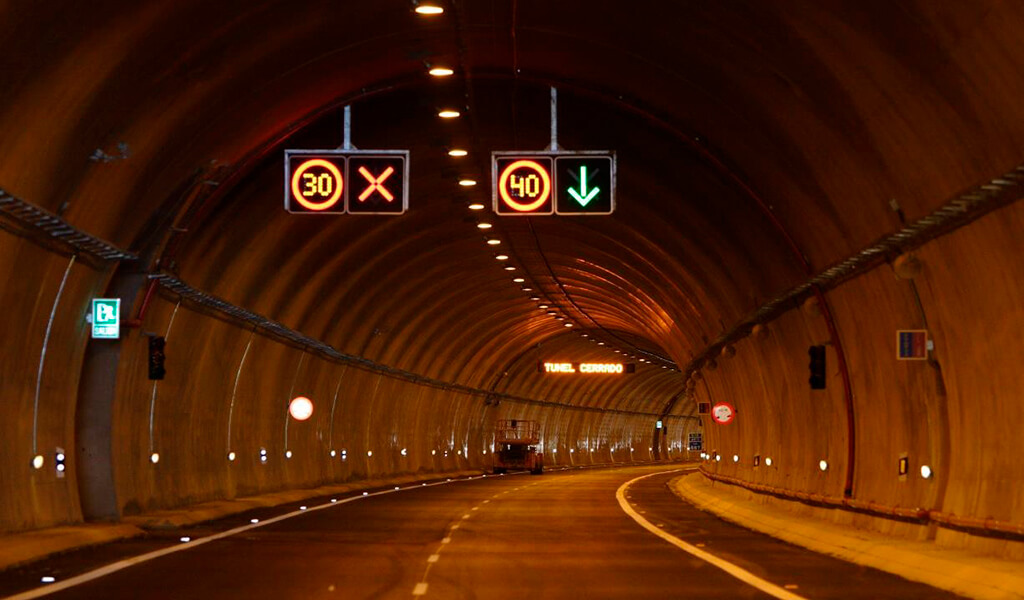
{"x":515,"y":443}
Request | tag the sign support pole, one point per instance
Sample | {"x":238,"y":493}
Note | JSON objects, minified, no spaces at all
{"x":554,"y":119}
{"x":347,"y":143}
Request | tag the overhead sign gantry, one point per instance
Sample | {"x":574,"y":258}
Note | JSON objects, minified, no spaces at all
{"x":346,"y":180}
{"x":553,"y":181}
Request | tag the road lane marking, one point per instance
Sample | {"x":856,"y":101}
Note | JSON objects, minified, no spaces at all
{"x":446,"y":540}
{"x":735,"y":570}
{"x":105,"y":570}
{"x":433,"y":558}
{"x":420,"y":589}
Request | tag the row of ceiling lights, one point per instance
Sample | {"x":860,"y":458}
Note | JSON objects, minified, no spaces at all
{"x":441,"y":71}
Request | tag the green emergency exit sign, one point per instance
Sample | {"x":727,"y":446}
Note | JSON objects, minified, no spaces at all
{"x":106,"y":318}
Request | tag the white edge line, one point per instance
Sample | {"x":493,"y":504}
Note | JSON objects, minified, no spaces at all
{"x":736,"y":571}
{"x":105,"y":570}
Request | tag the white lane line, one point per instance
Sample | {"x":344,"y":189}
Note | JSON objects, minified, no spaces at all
{"x":135,"y":560}
{"x":736,"y":571}
{"x":433,"y":558}
{"x":446,"y":540}
{"x":420,"y":589}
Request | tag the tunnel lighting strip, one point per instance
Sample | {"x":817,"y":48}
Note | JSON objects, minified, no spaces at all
{"x":732,"y":569}
{"x":57,"y":228}
{"x":962,"y":210}
{"x":280,"y":331}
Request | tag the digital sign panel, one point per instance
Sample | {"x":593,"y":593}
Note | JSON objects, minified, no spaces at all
{"x":585,"y":185}
{"x":522,"y":185}
{"x":585,"y":368}
{"x":545,"y":183}
{"x":352,"y":181}
{"x":378,"y":183}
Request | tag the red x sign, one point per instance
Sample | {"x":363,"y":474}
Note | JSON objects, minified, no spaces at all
{"x":376,"y":184}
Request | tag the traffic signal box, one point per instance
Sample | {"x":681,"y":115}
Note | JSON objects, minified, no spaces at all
{"x":817,"y":367}
{"x":564,"y":183}
{"x":346,"y":181}
{"x":156,"y":358}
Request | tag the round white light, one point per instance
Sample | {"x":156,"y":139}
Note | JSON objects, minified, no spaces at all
{"x":445,"y":72}
{"x":369,"y":452}
{"x":365,"y":493}
{"x":48,"y":579}
{"x":478,"y":206}
{"x":491,"y":242}
{"x":457,"y":153}
{"x":518,"y":280}
{"x":60,"y":468}
{"x":510,"y":268}
{"x":396,"y":488}
{"x":567,"y":324}
{"x":483,"y":225}
{"x":263,"y":451}
{"x":154,"y":457}
{"x":501,"y":257}
{"x":403,"y":452}
{"x":334,"y":500}
{"x":254,"y":521}
{"x":287,"y":453}
{"x":60,"y":456}
{"x":823,"y":465}
{"x":301,"y":408}
{"x":429,"y":9}
{"x":231,"y":456}
{"x":38,"y":461}
{"x":926,"y":471}
{"x":735,"y":458}
{"x":448,"y":114}
{"x":333,"y":453}
{"x":302,"y":508}
{"x":718,"y":458}
{"x":467,"y":182}
{"x":768,"y":461}
{"x":186,"y":539}
{"x":554,"y":451}
{"x":433,"y":452}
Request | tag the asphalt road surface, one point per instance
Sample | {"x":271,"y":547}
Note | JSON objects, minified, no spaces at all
{"x":558,"y":535}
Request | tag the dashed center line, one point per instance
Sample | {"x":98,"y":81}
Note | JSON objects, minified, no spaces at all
{"x":433,"y":558}
{"x":420,"y":589}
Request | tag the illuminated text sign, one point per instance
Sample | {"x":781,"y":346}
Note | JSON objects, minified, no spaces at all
{"x":106,"y":318}
{"x":586,"y":368}
{"x":371,"y":182}
{"x":564,"y":183}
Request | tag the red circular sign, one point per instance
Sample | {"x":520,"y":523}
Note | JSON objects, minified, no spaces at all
{"x":533,"y":187}
{"x":723,"y":413}
{"x":317,"y":179}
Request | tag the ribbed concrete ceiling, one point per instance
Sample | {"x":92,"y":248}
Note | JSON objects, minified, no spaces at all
{"x":751,"y":138}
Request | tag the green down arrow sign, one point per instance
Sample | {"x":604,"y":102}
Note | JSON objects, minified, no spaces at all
{"x":582,"y":196}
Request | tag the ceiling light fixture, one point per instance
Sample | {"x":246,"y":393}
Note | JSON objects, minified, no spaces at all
{"x":477,"y":206}
{"x":518,"y":280}
{"x":491,"y":242}
{"x":467,"y":182}
{"x":501,"y":257}
{"x":448,"y":114}
{"x":441,"y":72}
{"x":457,"y":153}
{"x":429,"y":9}
{"x":484,"y":225}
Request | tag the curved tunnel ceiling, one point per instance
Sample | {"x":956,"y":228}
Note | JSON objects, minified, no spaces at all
{"x":735,"y":183}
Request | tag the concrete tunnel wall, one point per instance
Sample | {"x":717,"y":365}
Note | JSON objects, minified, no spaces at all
{"x":956,"y":413}
{"x":824,"y":124}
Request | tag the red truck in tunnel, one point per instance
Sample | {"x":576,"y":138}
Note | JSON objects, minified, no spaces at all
{"x":515,"y":446}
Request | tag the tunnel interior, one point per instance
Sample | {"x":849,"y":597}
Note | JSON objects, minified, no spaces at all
{"x":785,"y":180}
